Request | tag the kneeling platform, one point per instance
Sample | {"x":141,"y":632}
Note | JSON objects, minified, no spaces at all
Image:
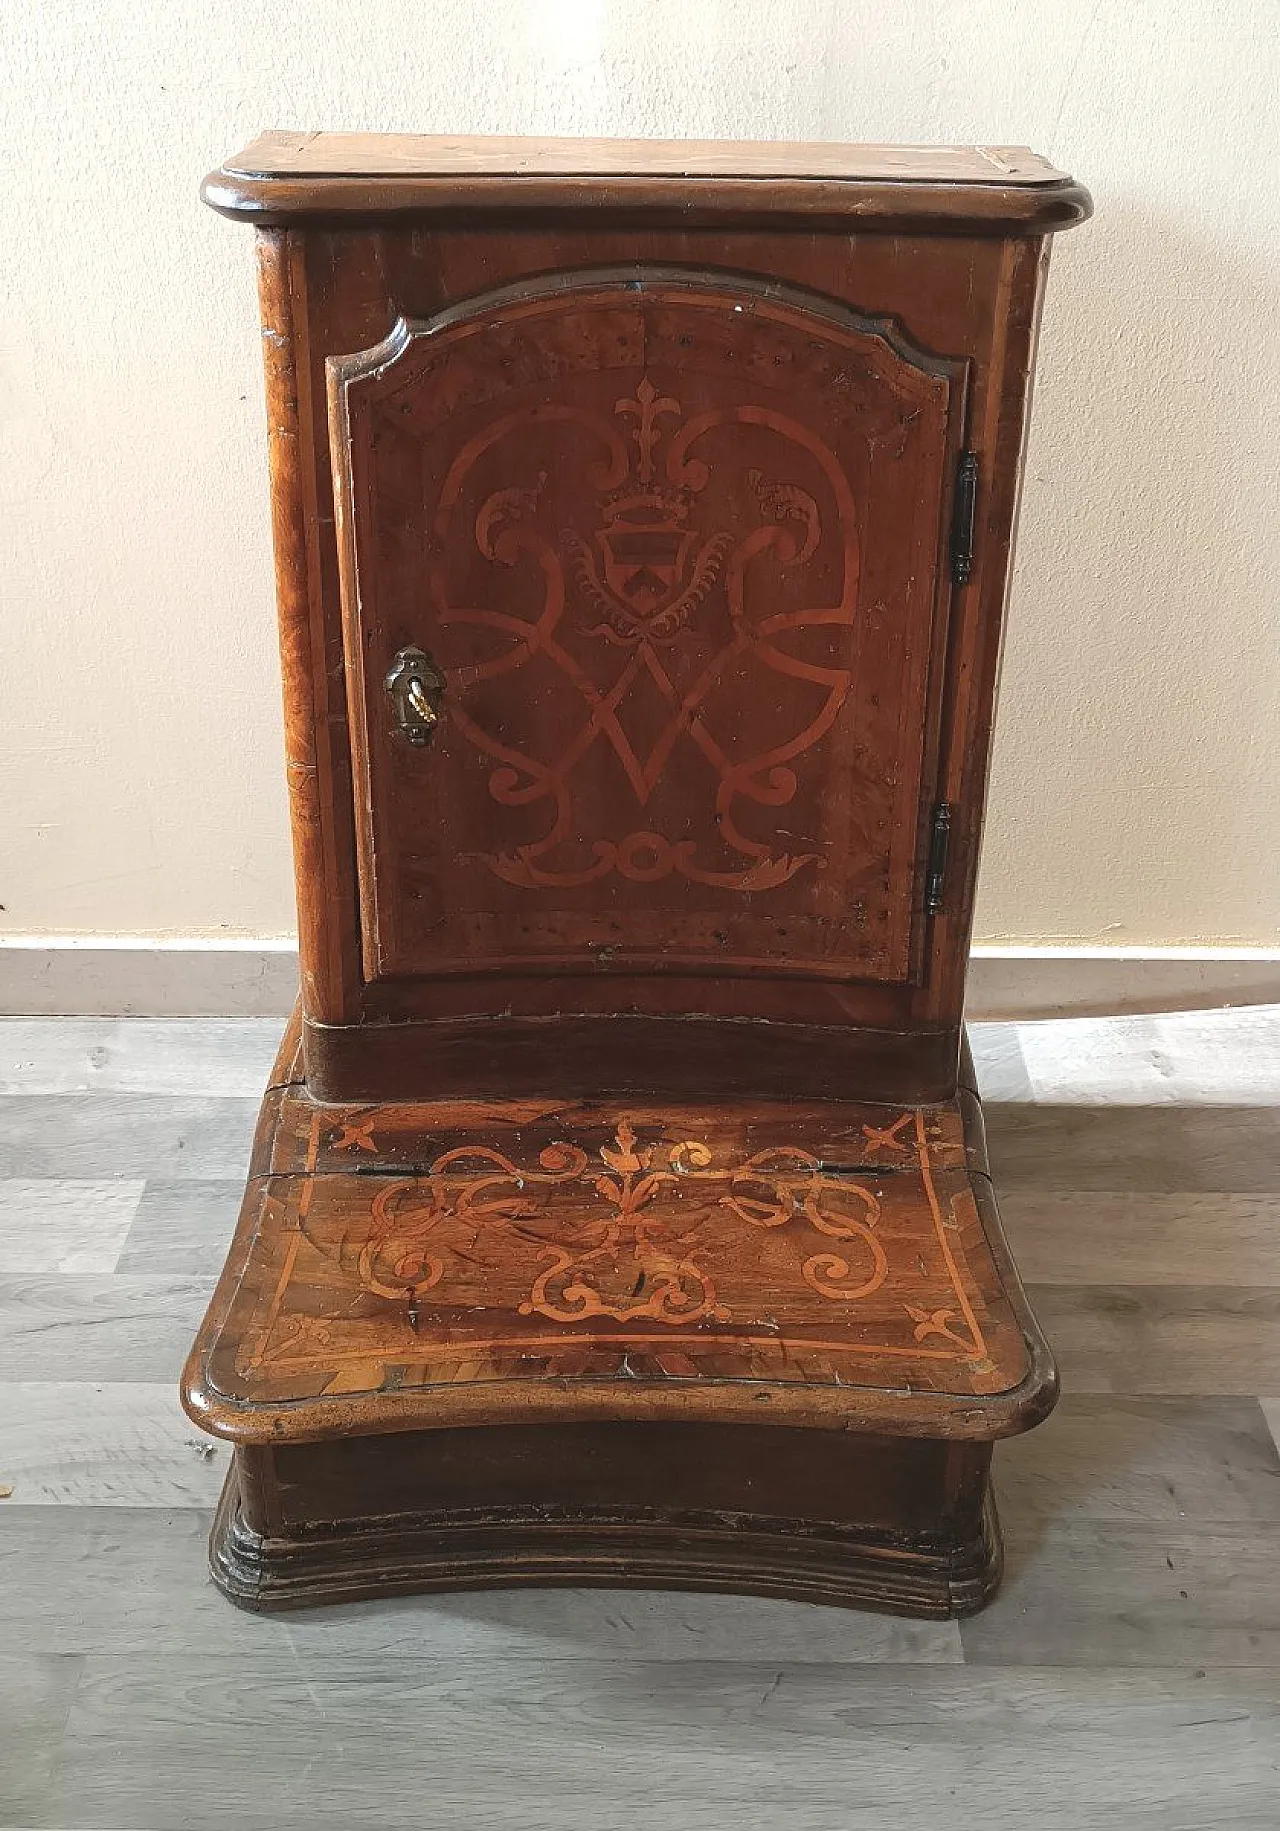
{"x":749,"y":1346}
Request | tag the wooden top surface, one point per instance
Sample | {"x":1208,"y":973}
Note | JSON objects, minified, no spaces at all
{"x":280,"y":154}
{"x":282,"y":175}
{"x":422,"y":1265}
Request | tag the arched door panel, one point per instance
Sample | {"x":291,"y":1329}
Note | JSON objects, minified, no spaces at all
{"x":643,"y":597}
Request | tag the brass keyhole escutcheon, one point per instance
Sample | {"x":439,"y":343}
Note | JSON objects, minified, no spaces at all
{"x":416,"y":686}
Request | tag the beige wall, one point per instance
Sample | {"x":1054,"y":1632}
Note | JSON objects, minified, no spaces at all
{"x":1136,"y":794}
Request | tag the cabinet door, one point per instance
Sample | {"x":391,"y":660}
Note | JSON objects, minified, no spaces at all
{"x":644,"y":593}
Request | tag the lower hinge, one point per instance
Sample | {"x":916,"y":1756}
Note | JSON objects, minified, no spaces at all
{"x":964,"y":517}
{"x":935,"y":876}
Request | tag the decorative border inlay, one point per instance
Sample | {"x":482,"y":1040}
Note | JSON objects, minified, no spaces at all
{"x":645,"y":1247}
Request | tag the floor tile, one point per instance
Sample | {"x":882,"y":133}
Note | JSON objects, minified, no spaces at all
{"x":75,"y":1443}
{"x":1271,"y":1412}
{"x":1133,"y":1338}
{"x":1090,"y":1592}
{"x":127,"y":1135}
{"x":106,"y":1328}
{"x":997,"y":1057}
{"x":138,"y":1055}
{"x":1160,"y":1461}
{"x":1095,"y":1236}
{"x":1144,"y":1149}
{"x":1206,"y":1058}
{"x":36,"y":1692}
{"x":182,"y":1228}
{"x":600,"y":1746}
{"x":626,"y":1625}
{"x":123,"y":1580}
{"x":48,"y":1226}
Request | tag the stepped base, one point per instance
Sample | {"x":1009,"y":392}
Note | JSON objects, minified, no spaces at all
{"x":942,"y":1559}
{"x":760,"y":1346}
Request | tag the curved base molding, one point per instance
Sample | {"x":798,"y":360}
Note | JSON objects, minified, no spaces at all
{"x":796,"y":1560}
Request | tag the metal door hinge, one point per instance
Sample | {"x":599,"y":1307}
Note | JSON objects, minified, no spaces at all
{"x":935,"y":876}
{"x":963,"y":516}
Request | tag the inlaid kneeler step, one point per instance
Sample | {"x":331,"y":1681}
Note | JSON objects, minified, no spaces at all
{"x":763,"y":1346}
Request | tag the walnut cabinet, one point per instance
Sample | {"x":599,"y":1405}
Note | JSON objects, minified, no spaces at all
{"x":619,"y":1210}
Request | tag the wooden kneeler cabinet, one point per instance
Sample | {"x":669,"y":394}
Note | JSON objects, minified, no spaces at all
{"x":619,"y":1211}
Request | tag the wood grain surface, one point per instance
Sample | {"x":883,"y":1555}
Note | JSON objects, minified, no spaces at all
{"x":338,"y":155}
{"x":975,"y":189}
{"x":464,"y":1262}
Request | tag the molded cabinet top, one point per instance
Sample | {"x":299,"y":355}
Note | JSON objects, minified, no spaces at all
{"x":998,"y":190}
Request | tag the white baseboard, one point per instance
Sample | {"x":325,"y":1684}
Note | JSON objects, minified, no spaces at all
{"x":1025,"y":983}
{"x":139,"y":976}
{"x":89,"y":976}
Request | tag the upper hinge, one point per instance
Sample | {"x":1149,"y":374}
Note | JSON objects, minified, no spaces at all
{"x":935,"y":875}
{"x":963,"y":516}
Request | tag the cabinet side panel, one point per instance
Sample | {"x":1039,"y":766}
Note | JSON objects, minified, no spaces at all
{"x":997,"y":432}
{"x":315,"y":747}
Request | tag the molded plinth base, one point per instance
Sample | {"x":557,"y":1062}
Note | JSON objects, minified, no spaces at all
{"x":931,"y":1574}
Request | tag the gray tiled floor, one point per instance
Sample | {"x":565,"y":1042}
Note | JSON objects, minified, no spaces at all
{"x":1127,"y":1676}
